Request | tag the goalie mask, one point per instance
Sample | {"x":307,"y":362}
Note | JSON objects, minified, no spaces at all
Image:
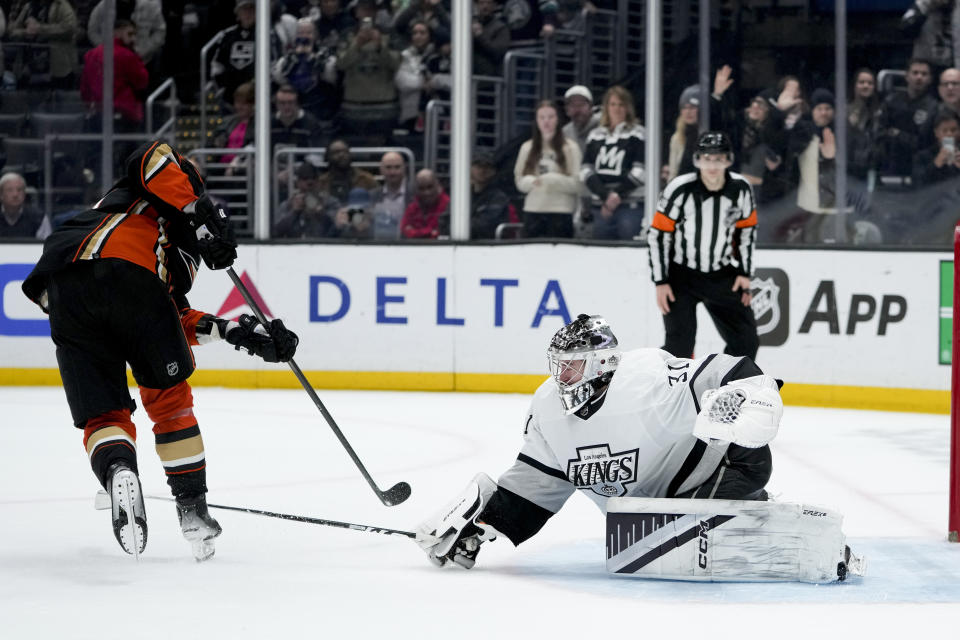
{"x":582,"y":356}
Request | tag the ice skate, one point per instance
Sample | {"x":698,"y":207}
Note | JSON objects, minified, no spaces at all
{"x":127,"y":509}
{"x":198,"y":526}
{"x":854,"y":564}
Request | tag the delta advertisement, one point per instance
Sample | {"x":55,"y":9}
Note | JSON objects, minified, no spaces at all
{"x":834,"y":318}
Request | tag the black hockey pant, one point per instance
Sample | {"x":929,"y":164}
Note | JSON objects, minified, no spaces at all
{"x":103,"y":315}
{"x":734,"y":321}
{"x":742,"y":475}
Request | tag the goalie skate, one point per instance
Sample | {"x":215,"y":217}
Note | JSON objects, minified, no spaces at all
{"x":127,"y":510}
{"x":852,"y":564}
{"x":198,"y":526}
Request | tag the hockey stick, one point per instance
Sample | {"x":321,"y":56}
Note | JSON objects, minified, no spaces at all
{"x":102,"y":501}
{"x":392,"y":496}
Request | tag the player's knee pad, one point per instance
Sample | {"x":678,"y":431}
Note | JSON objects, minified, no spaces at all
{"x":174,"y":404}
{"x":725,"y":540}
{"x":110,"y":437}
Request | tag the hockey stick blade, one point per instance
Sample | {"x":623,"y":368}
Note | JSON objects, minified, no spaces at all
{"x":396,"y":494}
{"x":393,"y":496}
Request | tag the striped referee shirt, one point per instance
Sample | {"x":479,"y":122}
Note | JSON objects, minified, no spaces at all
{"x":703,"y":230}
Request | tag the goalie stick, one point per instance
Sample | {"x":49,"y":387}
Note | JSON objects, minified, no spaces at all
{"x":392,"y":496}
{"x":102,"y":501}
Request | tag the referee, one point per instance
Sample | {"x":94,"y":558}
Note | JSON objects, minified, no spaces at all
{"x":701,"y":250}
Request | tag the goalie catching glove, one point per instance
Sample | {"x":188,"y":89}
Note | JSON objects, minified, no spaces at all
{"x":745,"y":412}
{"x":274,"y":343}
{"x":215,"y":240}
{"x":454,"y":533}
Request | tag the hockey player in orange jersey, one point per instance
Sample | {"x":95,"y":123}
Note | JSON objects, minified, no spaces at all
{"x":114,"y":281}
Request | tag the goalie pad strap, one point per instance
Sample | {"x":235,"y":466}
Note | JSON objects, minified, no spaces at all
{"x":723,"y":540}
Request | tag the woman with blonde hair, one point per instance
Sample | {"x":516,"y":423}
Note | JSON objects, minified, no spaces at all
{"x":613,"y":168}
{"x":683,"y":142}
{"x":547,"y":171}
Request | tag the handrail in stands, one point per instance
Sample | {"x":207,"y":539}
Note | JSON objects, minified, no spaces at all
{"x":47,"y":142}
{"x":320,"y":153}
{"x":215,"y":40}
{"x":172,"y":102}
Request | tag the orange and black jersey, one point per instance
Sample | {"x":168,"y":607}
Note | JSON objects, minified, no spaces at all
{"x":142,"y":220}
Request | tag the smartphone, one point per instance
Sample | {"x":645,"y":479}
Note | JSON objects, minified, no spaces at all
{"x":366,"y":23}
{"x":949,"y":144}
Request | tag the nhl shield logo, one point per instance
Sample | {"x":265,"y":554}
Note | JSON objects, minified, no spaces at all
{"x":771,"y":306}
{"x":765,"y":304}
{"x":172,"y":368}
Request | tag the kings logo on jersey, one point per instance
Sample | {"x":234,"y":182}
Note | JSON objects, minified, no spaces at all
{"x":606,"y":474}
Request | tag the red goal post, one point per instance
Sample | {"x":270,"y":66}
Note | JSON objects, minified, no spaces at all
{"x":953,"y":523}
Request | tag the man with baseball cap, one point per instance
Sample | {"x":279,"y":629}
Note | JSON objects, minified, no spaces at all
{"x":578,"y":104}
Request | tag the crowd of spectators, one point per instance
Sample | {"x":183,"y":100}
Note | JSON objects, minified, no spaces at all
{"x":360,"y":73}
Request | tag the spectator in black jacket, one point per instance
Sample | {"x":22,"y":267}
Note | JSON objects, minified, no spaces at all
{"x":489,"y":206}
{"x":491,"y":39}
{"x":334,"y":24}
{"x":233,"y":61}
{"x":311,"y":70}
{"x":309,"y":212}
{"x":907,"y":119}
{"x":863,"y":122}
{"x":18,"y":219}
{"x":758,"y":135}
{"x":613,"y":168}
{"x":940,"y":161}
{"x":292,"y":126}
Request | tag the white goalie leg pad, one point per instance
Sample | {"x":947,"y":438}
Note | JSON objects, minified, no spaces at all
{"x":745,"y":412}
{"x":726,"y":541}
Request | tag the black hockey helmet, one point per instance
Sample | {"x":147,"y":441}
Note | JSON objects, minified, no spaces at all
{"x":582,"y":356}
{"x":714,"y":142}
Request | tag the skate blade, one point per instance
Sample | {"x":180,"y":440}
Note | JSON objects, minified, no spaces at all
{"x":129,"y":515}
{"x":857,"y":565}
{"x":203,"y":550}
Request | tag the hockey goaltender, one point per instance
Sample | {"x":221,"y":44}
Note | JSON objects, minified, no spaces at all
{"x":673,"y":449}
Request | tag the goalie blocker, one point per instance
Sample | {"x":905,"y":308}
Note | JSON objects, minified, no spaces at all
{"x":726,"y":541}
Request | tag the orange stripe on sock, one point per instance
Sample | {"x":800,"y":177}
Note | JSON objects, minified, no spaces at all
{"x":177,"y":473}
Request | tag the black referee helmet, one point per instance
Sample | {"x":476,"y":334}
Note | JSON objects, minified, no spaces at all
{"x":715,"y":142}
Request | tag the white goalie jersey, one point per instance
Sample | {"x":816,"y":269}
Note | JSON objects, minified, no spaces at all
{"x":639,"y":444}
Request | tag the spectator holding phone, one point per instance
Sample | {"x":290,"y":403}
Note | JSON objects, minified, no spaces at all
{"x":939,"y":162}
{"x":309,"y":212}
{"x":353,"y":222}
{"x":370,"y":109}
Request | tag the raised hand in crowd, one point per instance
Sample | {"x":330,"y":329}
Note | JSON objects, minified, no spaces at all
{"x":828,"y":146}
{"x":789,"y":97}
{"x":722,"y":80}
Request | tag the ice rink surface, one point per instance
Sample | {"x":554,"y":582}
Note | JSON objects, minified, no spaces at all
{"x":62,"y":574}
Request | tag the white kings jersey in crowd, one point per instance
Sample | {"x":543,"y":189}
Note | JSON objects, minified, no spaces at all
{"x":639,"y":443}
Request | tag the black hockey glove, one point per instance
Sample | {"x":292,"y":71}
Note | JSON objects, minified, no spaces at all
{"x":274,"y":343}
{"x":215,"y":239}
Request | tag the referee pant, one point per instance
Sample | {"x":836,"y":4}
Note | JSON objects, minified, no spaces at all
{"x":734,"y":321}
